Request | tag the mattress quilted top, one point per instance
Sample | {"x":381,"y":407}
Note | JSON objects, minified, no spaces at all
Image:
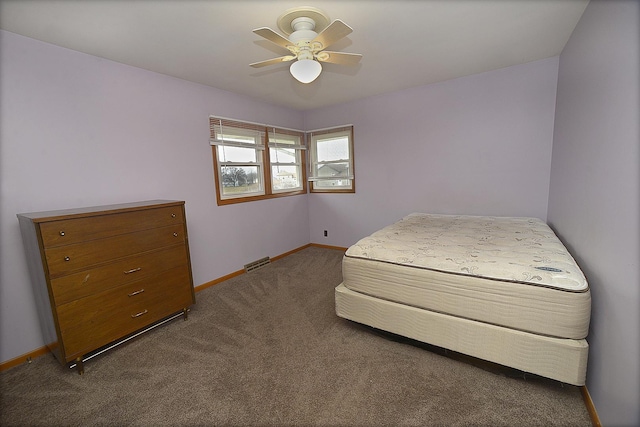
{"x":522,"y":250}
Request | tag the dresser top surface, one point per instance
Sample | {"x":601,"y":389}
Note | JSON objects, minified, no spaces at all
{"x":96,"y":210}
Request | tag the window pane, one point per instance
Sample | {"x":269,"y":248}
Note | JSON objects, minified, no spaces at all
{"x":240,"y":180}
{"x":333,"y":149}
{"x":333,"y":183}
{"x":236,"y":154}
{"x":332,"y":169}
{"x":284,"y":139}
{"x":283,"y":155}
{"x":246,"y":139}
{"x":285,"y":178}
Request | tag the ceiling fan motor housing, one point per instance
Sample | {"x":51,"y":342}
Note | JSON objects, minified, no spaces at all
{"x":302,"y":35}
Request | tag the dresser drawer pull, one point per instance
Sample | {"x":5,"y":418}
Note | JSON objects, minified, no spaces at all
{"x":67,"y":258}
{"x":136,"y":292}
{"x":62,"y":233}
{"x":173,"y":215}
{"x":133,"y":270}
{"x":133,"y":316}
{"x":175,"y":234}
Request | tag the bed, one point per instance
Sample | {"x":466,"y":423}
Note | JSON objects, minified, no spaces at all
{"x":501,"y":289}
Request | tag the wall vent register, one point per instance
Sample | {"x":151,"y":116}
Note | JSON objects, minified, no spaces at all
{"x":254,"y":265}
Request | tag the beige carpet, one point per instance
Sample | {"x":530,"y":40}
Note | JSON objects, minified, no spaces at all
{"x":266,"y":348}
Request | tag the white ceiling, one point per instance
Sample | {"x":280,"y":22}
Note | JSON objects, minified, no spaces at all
{"x":405,"y":43}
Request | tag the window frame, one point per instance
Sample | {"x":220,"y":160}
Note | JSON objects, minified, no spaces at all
{"x":312,"y":138}
{"x":264,"y":161}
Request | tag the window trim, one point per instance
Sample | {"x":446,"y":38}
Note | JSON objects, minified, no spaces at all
{"x":266,"y":164}
{"x":313,"y":152}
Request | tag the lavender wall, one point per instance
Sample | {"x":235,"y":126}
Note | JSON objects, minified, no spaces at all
{"x":77,"y":130}
{"x":594,"y":202}
{"x":474,"y":145}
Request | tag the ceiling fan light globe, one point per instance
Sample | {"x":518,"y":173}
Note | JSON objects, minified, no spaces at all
{"x":305,"y":70}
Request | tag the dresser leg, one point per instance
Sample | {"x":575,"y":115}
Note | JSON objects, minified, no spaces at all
{"x":80,"y":366}
{"x":185,"y":312}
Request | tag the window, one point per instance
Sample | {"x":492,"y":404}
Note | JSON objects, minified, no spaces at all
{"x":240,"y":152}
{"x":331,"y":160}
{"x":287,"y":171}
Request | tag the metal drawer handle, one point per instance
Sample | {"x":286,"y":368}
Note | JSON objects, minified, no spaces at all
{"x":67,"y":258}
{"x":173,"y":215}
{"x":133,"y":316}
{"x":62,"y":233}
{"x":133,"y":270}
{"x":136,"y":292}
{"x":175,"y":234}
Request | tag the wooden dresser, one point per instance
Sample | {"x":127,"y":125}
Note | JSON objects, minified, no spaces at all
{"x":103,"y":273}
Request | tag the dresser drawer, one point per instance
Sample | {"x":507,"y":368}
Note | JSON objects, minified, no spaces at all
{"x":72,"y":258}
{"x":87,"y":282}
{"x":94,"y":321}
{"x":69,"y":231}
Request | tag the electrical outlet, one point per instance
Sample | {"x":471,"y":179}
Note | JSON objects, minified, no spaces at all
{"x":325,"y":233}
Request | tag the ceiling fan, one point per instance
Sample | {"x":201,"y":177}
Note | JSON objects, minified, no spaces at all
{"x":305,"y":44}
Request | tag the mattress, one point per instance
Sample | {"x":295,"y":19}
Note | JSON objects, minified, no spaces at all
{"x":508,"y":272}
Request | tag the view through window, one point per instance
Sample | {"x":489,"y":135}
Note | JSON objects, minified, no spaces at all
{"x":240,"y":152}
{"x":331,"y":159}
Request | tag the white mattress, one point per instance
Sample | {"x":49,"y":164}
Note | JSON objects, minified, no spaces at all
{"x":510,"y":272}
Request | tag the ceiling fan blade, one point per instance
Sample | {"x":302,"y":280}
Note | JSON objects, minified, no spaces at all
{"x":334,"y":32}
{"x":273,"y":61}
{"x":273,"y":37}
{"x":339,"y":57}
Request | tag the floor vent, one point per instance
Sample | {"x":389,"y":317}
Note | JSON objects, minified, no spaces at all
{"x":257,"y":264}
